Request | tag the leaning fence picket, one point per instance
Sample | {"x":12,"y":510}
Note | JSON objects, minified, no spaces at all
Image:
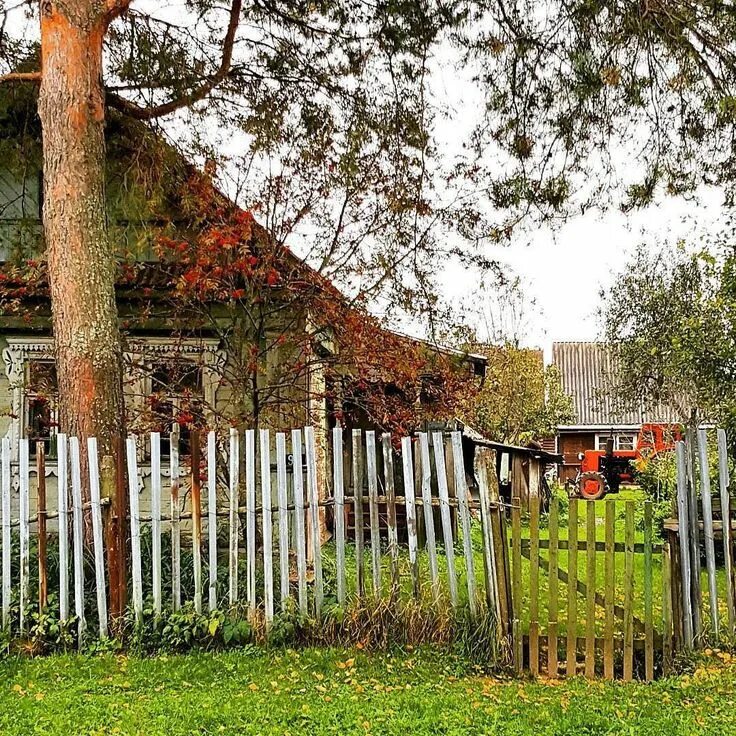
{"x":283,"y":517}
{"x":156,"y":521}
{"x":439,"y":462}
{"x":428,"y":513}
{"x":250,"y":521}
{"x":339,"y":490}
{"x":234,"y":500}
{"x":708,"y":534}
{"x":534,"y":584}
{"x":694,"y":524}
{"x":370,"y":454}
{"x":6,"y":532}
{"x":723,"y":484}
{"x":393,"y":535}
{"x":196,"y":504}
{"x":463,"y":496}
{"x":25,"y":538}
{"x":175,"y":522}
{"x":411,"y":512}
{"x":62,"y":452}
{"x":314,"y":515}
{"x":666,"y":608}
{"x":135,"y":530}
{"x":685,"y":539}
{"x":212,"y":518}
{"x":358,"y":510}
{"x":267,"y":521}
{"x":99,"y":548}
{"x":78,"y":541}
{"x":298,"y":482}
{"x":516,"y":590}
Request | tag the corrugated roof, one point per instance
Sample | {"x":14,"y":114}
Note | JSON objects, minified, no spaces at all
{"x":587,"y":370}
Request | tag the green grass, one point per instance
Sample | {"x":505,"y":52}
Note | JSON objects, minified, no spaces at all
{"x":342,"y":692}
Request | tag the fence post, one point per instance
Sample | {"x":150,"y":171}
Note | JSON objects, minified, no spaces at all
{"x":120,"y":512}
{"x":107,"y":501}
{"x":43,"y":587}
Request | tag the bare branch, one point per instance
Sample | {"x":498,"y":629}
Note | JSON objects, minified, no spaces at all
{"x":34,"y":77}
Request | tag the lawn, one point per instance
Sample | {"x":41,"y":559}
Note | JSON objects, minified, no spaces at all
{"x":343,"y":692}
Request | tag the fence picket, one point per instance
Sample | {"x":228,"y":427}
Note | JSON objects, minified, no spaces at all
{"x":572,"y":593}
{"x":135,"y":530}
{"x":516,"y":590}
{"x":629,"y":593}
{"x":693,"y":523}
{"x":393,"y":536}
{"x":339,"y":490}
{"x":358,"y":510}
{"x":250,"y":522}
{"x":708,"y":534}
{"x":62,"y":452}
{"x":43,"y":587}
{"x":6,"y":532}
{"x":234,"y":481}
{"x":648,"y":585}
{"x":439,"y":463}
{"x":283,"y":517}
{"x":99,"y":548}
{"x":156,"y":522}
{"x":267,"y":521}
{"x":686,"y":533}
{"x":428,"y":513}
{"x":212,"y":518}
{"x":610,"y":588}
{"x":590,"y":593}
{"x":553,"y":612}
{"x":534,"y":585}
{"x":314,"y":518}
{"x":298,"y":481}
{"x":196,"y":503}
{"x":666,"y":608}
{"x":370,"y":454}
{"x":24,"y":473}
{"x":411,"y":513}
{"x":461,"y":489}
{"x":491,"y":524}
{"x":175,"y":521}
{"x":78,"y":540}
{"x":723,"y":484}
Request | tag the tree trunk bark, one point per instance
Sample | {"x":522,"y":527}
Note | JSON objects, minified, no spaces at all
{"x":81,"y":261}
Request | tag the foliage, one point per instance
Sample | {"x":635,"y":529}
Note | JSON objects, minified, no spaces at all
{"x":520,"y":400}
{"x":345,"y":691}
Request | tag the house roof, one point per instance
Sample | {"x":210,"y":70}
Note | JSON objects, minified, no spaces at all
{"x":587,"y":372}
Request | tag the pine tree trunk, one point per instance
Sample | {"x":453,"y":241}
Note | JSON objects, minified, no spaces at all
{"x":81,"y":261}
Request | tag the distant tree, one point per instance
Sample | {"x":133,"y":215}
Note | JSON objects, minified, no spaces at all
{"x":520,"y":400}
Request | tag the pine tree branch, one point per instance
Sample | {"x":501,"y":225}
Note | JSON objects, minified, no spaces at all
{"x":195,"y":95}
{"x":34,"y":77}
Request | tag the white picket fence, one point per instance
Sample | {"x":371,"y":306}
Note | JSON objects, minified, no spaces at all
{"x":289,"y":521}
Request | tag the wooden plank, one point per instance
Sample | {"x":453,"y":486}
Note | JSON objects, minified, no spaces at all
{"x":339,"y":491}
{"x":572,"y":593}
{"x":25,"y":537}
{"x":610,"y":589}
{"x":708,"y":535}
{"x":283,"y":517}
{"x":196,"y":503}
{"x":393,"y":534}
{"x":250,"y":521}
{"x":695,"y":588}
{"x":553,"y":607}
{"x":723,"y":485}
{"x":6,"y":532}
{"x":300,"y":534}
{"x":685,"y":533}
{"x":135,"y":530}
{"x":156,"y":522}
{"x":534,"y":585}
{"x":234,"y":488}
{"x":313,"y":492}
{"x":267,"y":520}
{"x":97,"y":536}
{"x":78,"y":538}
{"x":439,"y":462}
{"x":666,"y":609}
{"x":494,"y":539}
{"x":428,"y":513}
{"x":212,"y":519}
{"x":648,"y":588}
{"x":590,"y":575}
{"x":411,"y":513}
{"x":518,"y":644}
{"x":370,"y":455}
{"x":629,"y":593}
{"x":43,"y":583}
{"x":175,"y":521}
{"x":62,"y":464}
{"x":463,"y":496}
{"x":358,"y":511}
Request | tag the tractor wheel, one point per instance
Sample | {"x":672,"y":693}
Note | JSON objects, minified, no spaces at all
{"x":592,"y":486}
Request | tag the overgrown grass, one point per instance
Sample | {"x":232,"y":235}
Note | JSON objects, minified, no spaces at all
{"x":339,"y":691}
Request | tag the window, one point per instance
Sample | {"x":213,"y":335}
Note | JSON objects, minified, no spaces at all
{"x":626,"y":442}
{"x":41,"y":405}
{"x":621,"y":441}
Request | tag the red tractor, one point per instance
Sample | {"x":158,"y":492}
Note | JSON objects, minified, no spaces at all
{"x":603,"y":471}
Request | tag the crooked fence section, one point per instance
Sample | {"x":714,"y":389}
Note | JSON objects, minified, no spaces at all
{"x":251,"y":520}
